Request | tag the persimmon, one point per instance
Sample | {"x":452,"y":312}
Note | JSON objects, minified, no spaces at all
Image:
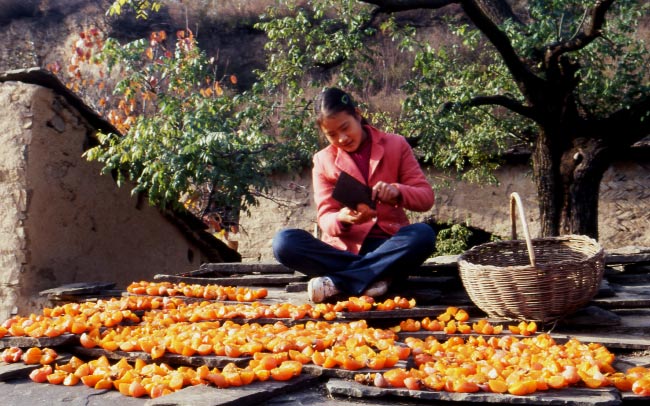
{"x":217,"y":379}
{"x":158,"y":390}
{"x":247,"y":376}
{"x":104,"y":383}
{"x":262,"y":374}
{"x":56,"y":377}
{"x":464,"y":328}
{"x":286,"y":370}
{"x":461,"y":315}
{"x":91,"y":380}
{"x":410,"y":325}
{"x":157,"y":351}
{"x":570,"y":373}
{"x":39,"y":375}
{"x":464,"y":386}
{"x":122,"y":387}
{"x":12,"y":354}
{"x":299,"y":356}
{"x":497,"y":386}
{"x":556,"y":381}
{"x":391,"y":359}
{"x":176,"y":380}
{"x":450,"y":327}
{"x":48,"y":356}
{"x":432,"y":325}
{"x":136,"y":389}
{"x":352,"y":364}
{"x":318,"y":358}
{"x":433,"y":382}
{"x":71,"y":380}
{"x":395,"y":377}
{"x":412,"y":383}
{"x":32,"y":355}
{"x":641,"y":387}
{"x":376,"y":362}
{"x":523,"y":387}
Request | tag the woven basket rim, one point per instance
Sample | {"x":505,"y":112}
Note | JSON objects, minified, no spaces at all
{"x":598,"y":249}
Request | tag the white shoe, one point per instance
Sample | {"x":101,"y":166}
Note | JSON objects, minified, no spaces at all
{"x":319,"y":289}
{"x":377,"y":288}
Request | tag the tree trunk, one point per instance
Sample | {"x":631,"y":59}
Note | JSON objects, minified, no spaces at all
{"x":547,"y":181}
{"x":582,"y":170}
{"x":568,"y":181}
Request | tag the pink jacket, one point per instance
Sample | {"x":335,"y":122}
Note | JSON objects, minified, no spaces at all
{"x":392,"y":161}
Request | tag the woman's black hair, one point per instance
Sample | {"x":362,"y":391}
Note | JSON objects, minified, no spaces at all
{"x":332,"y":101}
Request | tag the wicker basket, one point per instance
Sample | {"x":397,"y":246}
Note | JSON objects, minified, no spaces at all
{"x":538,"y":280}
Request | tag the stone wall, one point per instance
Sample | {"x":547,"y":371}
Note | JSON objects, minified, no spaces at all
{"x":623,"y":208}
{"x":61,"y":221}
{"x":14,"y":135}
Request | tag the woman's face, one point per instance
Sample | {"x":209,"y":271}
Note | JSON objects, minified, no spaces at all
{"x":343,"y":130}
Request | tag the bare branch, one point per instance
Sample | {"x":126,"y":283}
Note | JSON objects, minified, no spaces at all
{"x":504,"y":101}
{"x":393,"y":6}
{"x":497,"y":100}
{"x":498,"y":11}
{"x":583,"y":38}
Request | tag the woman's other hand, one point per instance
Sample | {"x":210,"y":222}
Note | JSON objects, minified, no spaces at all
{"x":386,"y":193}
{"x":361,"y":215}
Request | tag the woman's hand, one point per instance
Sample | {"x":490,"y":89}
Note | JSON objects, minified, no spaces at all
{"x":362,"y":214}
{"x":386,"y":193}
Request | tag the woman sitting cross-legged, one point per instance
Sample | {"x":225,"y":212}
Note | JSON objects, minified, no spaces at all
{"x":362,"y":249}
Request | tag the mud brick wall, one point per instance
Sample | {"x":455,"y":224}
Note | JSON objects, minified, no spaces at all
{"x":60,"y":220}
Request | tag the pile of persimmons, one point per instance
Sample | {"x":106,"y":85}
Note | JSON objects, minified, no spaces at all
{"x":273,"y":341}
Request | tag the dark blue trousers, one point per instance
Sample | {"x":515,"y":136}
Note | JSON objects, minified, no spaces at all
{"x":352,"y":273}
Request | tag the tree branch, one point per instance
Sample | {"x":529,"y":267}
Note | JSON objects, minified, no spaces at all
{"x":504,"y":101}
{"x":582,"y":38}
{"x":394,"y":6}
{"x":498,"y":100}
{"x":527,"y":81}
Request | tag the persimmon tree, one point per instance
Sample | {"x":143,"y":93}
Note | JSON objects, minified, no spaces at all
{"x":566,"y":78}
{"x":184,"y":134}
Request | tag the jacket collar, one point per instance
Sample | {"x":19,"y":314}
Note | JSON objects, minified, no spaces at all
{"x":344,"y":162}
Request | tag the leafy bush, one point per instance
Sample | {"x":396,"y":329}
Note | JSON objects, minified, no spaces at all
{"x":453,"y":240}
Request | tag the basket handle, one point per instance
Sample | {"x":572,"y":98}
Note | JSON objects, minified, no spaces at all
{"x":515,"y":199}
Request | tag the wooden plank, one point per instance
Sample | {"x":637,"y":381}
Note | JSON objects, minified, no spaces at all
{"x":81,"y":288}
{"x":172,"y":359}
{"x":246,"y":280}
{"x":431,"y":265}
{"x":569,"y":396}
{"x":248,"y":395}
{"x":622,"y":302}
{"x":344,"y":373}
{"x":627,"y":255}
{"x":238,"y":268}
{"x":26,"y":342}
{"x":15,"y":370}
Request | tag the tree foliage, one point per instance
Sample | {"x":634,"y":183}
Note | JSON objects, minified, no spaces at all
{"x":561,"y":79}
{"x":142,"y":8}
